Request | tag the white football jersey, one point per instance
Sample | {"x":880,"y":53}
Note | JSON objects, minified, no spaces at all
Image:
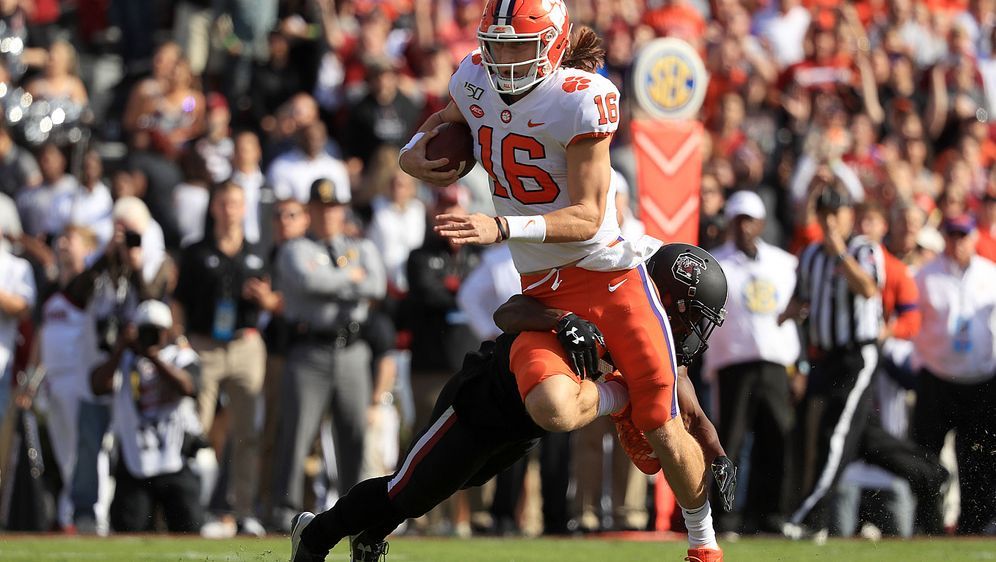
{"x":523,"y":147}
{"x":68,"y":338}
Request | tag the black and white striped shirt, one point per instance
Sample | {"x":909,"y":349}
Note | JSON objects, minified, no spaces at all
{"x":838,"y":317}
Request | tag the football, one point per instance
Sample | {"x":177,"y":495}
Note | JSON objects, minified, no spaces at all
{"x":455,"y":143}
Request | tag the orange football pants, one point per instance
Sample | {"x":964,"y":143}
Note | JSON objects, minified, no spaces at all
{"x":626,"y":307}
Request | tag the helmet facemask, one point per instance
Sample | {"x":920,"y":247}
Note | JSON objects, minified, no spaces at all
{"x":697,"y":323}
{"x":519,"y":76}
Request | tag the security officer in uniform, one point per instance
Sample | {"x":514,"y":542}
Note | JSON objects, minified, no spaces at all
{"x":329,"y":281}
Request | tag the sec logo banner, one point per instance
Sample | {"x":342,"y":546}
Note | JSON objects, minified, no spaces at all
{"x":669,"y":79}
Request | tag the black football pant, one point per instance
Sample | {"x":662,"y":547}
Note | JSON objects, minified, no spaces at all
{"x":968,"y":409}
{"x":135,"y":501}
{"x":839,"y":386}
{"x":447,"y":456}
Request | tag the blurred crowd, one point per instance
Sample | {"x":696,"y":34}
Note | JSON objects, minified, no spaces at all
{"x":223,"y":301}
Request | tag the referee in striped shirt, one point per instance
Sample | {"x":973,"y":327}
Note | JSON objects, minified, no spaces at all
{"x":839,"y":282}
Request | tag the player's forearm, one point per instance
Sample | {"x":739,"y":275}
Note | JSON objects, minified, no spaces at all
{"x":433,"y":121}
{"x":449,"y":114}
{"x":707,"y":437}
{"x":588,"y":180}
{"x":526,"y":314}
{"x":575,"y":223}
{"x":699,"y":425}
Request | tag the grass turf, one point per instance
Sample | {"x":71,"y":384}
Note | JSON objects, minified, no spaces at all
{"x":151,"y":548}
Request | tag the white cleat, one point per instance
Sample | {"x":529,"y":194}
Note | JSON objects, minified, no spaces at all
{"x":299,"y":552}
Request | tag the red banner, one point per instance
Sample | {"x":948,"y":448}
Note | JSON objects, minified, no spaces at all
{"x":668,"y":175}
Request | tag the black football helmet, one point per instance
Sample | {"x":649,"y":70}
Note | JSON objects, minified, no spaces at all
{"x":693,"y":290}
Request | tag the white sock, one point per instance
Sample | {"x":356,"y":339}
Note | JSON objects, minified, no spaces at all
{"x":612,"y":397}
{"x":698,"y":521}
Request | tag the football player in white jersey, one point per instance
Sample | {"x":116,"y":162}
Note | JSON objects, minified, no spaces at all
{"x":542,"y":122}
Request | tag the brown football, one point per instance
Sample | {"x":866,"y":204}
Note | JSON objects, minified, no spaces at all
{"x":455,"y":143}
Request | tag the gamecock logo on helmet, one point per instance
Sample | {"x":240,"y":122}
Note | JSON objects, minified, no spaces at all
{"x":688,"y":268}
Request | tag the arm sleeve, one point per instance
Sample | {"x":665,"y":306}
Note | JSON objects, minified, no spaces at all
{"x":300,"y":270}
{"x":597,"y":113}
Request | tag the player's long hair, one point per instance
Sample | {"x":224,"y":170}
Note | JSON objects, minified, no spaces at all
{"x":585,"y":52}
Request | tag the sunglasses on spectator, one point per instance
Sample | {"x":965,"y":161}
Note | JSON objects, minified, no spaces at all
{"x":286,"y":214}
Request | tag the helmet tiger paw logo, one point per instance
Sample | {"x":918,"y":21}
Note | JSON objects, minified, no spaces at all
{"x":558,"y":13}
{"x":575,"y":84}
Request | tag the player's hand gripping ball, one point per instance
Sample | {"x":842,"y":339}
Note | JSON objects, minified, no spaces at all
{"x":454,"y":142}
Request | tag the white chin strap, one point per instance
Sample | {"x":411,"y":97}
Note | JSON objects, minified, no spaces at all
{"x":514,"y":84}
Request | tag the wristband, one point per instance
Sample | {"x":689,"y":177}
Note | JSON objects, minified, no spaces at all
{"x":418,"y":136}
{"x":530,"y":228}
{"x":502,"y":230}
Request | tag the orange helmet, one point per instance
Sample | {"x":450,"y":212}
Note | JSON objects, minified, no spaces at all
{"x":543,"y":23}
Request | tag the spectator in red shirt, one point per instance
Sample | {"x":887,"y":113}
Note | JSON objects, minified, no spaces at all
{"x":899,"y":295}
{"x":826,"y":67}
{"x":459,"y":34}
{"x":986,"y":247}
{"x":677,"y":18}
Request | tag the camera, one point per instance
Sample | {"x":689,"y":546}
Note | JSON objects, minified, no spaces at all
{"x":148,"y":336}
{"x":132,"y":239}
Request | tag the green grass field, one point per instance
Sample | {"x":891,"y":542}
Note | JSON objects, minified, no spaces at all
{"x":132,"y":549}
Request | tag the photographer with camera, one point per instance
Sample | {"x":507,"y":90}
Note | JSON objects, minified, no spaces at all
{"x":154,"y":381}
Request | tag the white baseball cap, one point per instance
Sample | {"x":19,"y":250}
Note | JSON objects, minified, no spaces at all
{"x":154,"y":313}
{"x":745,"y":203}
{"x":930,"y":239}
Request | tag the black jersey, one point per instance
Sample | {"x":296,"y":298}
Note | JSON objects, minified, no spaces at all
{"x":484,"y":392}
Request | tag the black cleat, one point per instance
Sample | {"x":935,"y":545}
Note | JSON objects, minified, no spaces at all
{"x":365,"y":552}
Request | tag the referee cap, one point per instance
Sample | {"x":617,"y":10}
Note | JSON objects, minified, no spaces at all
{"x":154,"y":313}
{"x":745,"y":203}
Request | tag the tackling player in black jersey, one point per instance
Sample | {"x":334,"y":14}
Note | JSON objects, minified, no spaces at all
{"x":480,"y":426}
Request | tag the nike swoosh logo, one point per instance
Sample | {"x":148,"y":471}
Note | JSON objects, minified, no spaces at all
{"x":529,"y":222}
{"x":531,"y":124}
{"x":612,"y":288}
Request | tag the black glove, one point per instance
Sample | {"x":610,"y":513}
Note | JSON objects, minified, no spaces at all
{"x":580,"y":339}
{"x":725,"y":473}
